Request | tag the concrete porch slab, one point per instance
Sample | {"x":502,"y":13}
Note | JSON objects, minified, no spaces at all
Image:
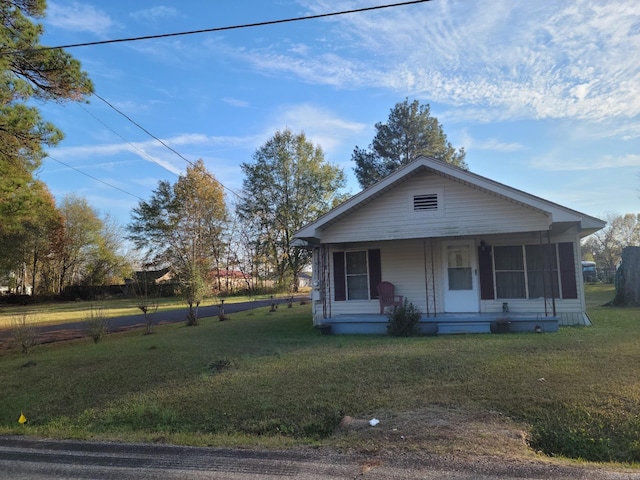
{"x":448,"y":323}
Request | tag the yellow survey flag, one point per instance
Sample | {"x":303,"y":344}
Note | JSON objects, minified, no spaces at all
{"x":22,"y":418}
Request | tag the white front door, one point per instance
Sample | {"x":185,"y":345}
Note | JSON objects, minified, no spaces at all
{"x":461,"y":277}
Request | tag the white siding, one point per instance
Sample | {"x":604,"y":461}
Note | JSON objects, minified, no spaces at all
{"x":465,"y":211}
{"x":569,"y":310}
{"x":408,"y":265}
{"x":403,"y":263}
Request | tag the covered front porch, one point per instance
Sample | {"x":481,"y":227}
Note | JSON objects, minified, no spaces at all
{"x":445,"y":323}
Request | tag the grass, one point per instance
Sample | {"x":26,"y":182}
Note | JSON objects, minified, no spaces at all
{"x":270,"y":379}
{"x":75,"y":311}
{"x":62,"y":312}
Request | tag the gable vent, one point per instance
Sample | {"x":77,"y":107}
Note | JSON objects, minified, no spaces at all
{"x":425,"y":202}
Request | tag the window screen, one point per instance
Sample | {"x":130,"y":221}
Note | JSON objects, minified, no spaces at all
{"x":357,"y":277}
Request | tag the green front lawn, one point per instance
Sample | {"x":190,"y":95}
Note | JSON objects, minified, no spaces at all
{"x":63,"y":312}
{"x":270,"y":379}
{"x":74,"y":311}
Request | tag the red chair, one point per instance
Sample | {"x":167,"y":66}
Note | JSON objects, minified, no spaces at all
{"x":387,"y":296}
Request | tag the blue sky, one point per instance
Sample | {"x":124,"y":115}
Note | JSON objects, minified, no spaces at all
{"x":543,"y":96}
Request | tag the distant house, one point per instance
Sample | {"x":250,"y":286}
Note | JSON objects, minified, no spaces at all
{"x":305,"y":279}
{"x":23,"y":290}
{"x":153,"y":277}
{"x":224,"y":280}
{"x":230,"y":281}
{"x":472,"y":254}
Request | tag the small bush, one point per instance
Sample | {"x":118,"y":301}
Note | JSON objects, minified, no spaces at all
{"x":403,"y":320}
{"x":147,"y":296}
{"x":97,"y":324}
{"x":24,"y":335}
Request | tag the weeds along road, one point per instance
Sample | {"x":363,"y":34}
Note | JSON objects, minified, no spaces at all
{"x":64,"y":331}
{"x":26,"y":458}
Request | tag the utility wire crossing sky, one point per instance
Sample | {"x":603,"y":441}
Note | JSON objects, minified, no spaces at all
{"x":209,"y":30}
{"x":544,"y":97}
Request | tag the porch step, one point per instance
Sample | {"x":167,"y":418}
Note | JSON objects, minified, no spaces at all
{"x":448,"y":328}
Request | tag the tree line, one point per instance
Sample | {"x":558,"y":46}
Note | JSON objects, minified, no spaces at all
{"x":605,"y":246}
{"x":190,"y":227}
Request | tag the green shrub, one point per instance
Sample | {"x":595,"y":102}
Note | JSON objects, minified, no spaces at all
{"x":403,"y":320}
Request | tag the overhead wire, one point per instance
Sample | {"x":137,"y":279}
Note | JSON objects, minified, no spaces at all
{"x":162,"y":142}
{"x":221,"y":29}
{"x":95,"y":178}
{"x":87,"y":174}
{"x":131,"y":144}
{"x":192,"y":32}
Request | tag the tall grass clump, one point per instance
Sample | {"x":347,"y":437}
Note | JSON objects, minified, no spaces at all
{"x":96,"y":324}
{"x":147,"y":301}
{"x":585,"y":433}
{"x":24,"y":334}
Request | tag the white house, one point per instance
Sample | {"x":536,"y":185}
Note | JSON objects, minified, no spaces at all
{"x":469,"y":252}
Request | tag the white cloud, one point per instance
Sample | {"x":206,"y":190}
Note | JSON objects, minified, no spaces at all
{"x":489,"y":144}
{"x":325,"y":68}
{"x":77,"y":16}
{"x":235,"y":102}
{"x":320,"y":125}
{"x":498,"y":60}
{"x":140,"y":149}
{"x":626,"y":130}
{"x":530,"y":59}
{"x":153,"y":151}
{"x":156,"y":13}
{"x":553,"y":163}
{"x":132,"y":106}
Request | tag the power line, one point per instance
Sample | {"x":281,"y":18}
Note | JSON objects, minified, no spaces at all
{"x":192,"y":32}
{"x":144,"y":154}
{"x":94,"y":178}
{"x":139,"y":150}
{"x":91,"y":176}
{"x":163,"y":143}
{"x":221,"y":29}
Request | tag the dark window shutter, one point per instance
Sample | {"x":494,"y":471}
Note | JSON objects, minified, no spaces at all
{"x":375,"y":272}
{"x":485,"y":266}
{"x":339,"y":278}
{"x":567,"y":270}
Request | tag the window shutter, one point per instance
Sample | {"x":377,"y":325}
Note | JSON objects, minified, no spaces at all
{"x":375,"y":272}
{"x":485,"y":265}
{"x":567,"y":270}
{"x":339,"y":281}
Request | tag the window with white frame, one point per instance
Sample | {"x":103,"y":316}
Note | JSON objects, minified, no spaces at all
{"x":529,"y":271}
{"x":357,"y":275}
{"x":509,"y":271}
{"x":542,"y":271}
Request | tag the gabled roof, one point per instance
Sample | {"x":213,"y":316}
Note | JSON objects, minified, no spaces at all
{"x":557,"y":213}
